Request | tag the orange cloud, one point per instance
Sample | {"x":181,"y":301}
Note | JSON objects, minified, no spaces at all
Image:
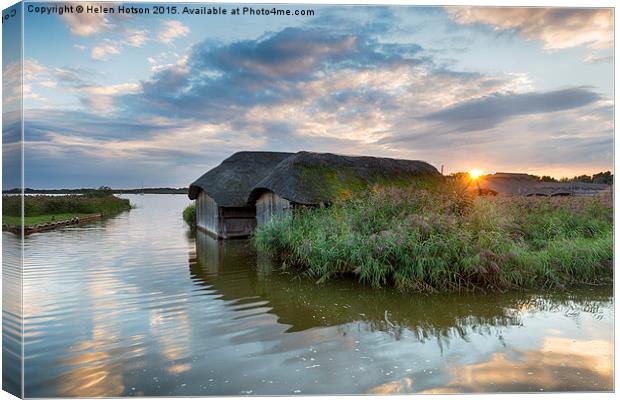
{"x":557,"y":28}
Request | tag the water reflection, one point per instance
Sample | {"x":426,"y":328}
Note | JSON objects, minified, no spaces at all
{"x":100,"y":360}
{"x":135,"y":306}
{"x":559,"y":364}
{"x":222,"y":265}
{"x":11,"y":315}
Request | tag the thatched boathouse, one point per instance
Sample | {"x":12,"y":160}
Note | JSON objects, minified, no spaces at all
{"x":250,"y":188}
{"x":221,"y":194}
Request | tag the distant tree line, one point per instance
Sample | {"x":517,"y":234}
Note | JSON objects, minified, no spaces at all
{"x":602,"y":177}
{"x":101,"y":190}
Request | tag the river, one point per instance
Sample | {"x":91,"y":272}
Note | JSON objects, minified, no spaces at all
{"x":136,"y":305}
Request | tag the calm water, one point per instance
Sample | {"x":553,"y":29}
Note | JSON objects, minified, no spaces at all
{"x":135,"y":305}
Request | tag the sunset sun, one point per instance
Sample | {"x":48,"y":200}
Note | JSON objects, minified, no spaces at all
{"x":475,"y":173}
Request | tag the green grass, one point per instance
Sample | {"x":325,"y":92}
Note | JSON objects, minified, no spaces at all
{"x":40,"y":219}
{"x":40,"y":209}
{"x":189,"y":215}
{"x":441,"y":239}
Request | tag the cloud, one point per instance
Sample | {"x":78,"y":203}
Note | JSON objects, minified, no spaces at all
{"x":86,"y":24}
{"x":105,"y":146}
{"x":309,"y":87}
{"x":97,"y":98}
{"x":486,"y":112}
{"x":594,"y":58}
{"x":104,"y":50}
{"x":68,"y":76}
{"x":286,"y":54}
{"x":89,"y":24}
{"x":131,"y":38}
{"x":562,"y":143}
{"x":48,"y":84}
{"x":136,"y":38}
{"x":264,"y":71}
{"x":172,"y":30}
{"x":556,"y":27}
{"x":101,"y":98}
{"x":14,"y":90}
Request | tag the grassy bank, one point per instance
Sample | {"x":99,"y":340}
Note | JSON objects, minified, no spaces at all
{"x":43,"y":209}
{"x":441,"y":239}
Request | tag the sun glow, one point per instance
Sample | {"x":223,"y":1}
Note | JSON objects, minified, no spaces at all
{"x":475,"y":173}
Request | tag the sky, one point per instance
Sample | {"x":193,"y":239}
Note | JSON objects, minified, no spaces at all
{"x":157,"y":100}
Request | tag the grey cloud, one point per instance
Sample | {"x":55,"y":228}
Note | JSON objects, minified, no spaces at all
{"x":489,"y":111}
{"x":73,"y":76}
{"x":295,"y":52}
{"x":39,"y":124}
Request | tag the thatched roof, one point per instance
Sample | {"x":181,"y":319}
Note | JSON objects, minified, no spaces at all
{"x":314,"y":178}
{"x":230,"y":183}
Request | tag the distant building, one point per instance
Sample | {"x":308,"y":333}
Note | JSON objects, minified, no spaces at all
{"x":250,"y":188}
{"x":512,"y":175}
{"x":518,"y":184}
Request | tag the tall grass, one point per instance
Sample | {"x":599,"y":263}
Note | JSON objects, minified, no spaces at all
{"x":442,"y":239}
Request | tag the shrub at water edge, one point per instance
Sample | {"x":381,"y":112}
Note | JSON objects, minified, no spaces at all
{"x":189,"y":215}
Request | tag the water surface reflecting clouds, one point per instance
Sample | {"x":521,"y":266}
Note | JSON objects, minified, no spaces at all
{"x":135,"y":305}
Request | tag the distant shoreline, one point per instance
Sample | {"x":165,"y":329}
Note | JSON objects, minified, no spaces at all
{"x":86,"y":190}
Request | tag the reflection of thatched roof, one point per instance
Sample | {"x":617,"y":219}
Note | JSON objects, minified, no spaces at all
{"x":230,"y":183}
{"x":313,"y":178}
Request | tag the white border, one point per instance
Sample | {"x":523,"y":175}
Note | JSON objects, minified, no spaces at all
{"x":504,"y":3}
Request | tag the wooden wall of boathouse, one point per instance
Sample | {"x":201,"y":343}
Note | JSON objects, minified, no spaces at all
{"x":224,"y":222}
{"x":237,"y":221}
{"x":207,"y":214}
{"x":269,"y":205}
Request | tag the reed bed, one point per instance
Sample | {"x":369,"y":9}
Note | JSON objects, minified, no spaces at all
{"x":40,"y":206}
{"x":444,"y":239}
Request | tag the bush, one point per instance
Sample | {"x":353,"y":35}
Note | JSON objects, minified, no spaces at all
{"x":102,"y":191}
{"x":444,"y":239}
{"x":189,"y":215}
